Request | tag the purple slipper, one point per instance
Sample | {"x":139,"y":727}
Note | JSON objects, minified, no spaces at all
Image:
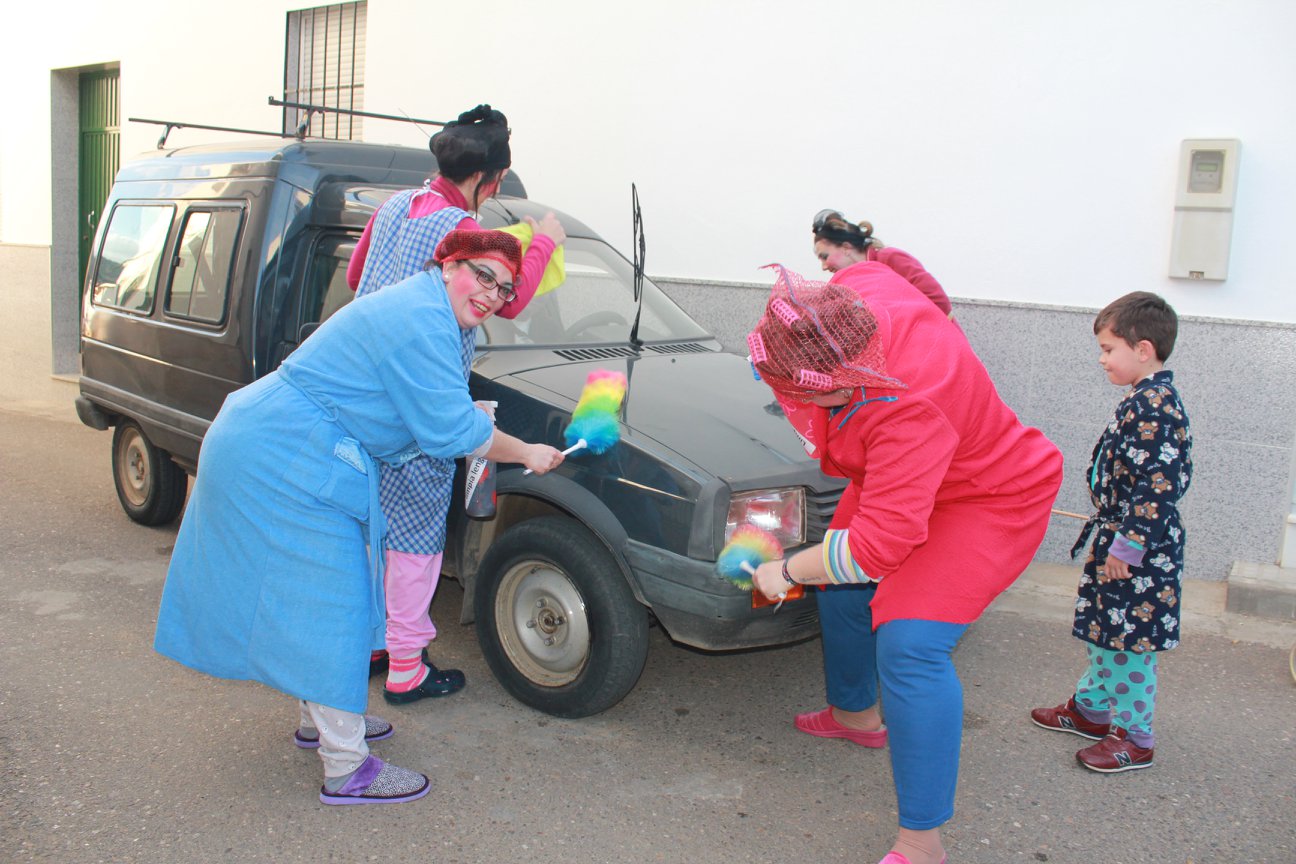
{"x":376,"y":782}
{"x":376,"y":729}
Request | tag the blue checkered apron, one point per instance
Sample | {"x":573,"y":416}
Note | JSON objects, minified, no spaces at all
{"x":415,"y":496}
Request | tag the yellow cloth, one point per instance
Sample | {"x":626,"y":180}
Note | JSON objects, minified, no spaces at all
{"x":554,"y":272}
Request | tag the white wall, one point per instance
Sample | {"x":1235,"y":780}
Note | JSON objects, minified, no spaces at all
{"x":1025,"y":150}
{"x":177,"y":62}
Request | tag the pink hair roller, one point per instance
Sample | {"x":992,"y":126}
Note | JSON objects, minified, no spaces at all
{"x":814,"y":380}
{"x":785,"y":313}
{"x":756,"y":345}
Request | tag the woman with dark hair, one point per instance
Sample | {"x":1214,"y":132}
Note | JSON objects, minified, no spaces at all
{"x":948,"y":499}
{"x":839,"y":244}
{"x":275,"y":576}
{"x":472,"y":156}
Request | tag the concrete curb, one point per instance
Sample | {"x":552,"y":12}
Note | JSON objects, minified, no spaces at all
{"x":1263,"y":590}
{"x":1047,"y":592}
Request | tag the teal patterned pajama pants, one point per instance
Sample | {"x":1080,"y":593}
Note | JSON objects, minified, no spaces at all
{"x":1122,"y":686}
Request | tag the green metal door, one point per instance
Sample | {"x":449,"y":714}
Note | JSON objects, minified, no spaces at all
{"x":100,"y":152}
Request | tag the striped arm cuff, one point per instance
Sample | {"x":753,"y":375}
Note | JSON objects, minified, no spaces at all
{"x":837,"y":559}
{"x":1127,"y":550}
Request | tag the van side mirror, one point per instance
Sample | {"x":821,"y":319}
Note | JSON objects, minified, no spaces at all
{"x":306,"y":330}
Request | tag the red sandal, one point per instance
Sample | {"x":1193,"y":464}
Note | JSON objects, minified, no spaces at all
{"x":822,"y":724}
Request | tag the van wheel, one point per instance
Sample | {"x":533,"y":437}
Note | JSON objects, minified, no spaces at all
{"x":150,"y":487}
{"x":556,"y":621}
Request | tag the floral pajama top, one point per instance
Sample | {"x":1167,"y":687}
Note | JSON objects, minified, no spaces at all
{"x":1141,"y":467}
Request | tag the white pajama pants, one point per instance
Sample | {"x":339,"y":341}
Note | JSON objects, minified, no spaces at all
{"x":341,"y":736}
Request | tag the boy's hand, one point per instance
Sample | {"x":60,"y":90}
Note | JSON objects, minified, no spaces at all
{"x":1116,"y":568}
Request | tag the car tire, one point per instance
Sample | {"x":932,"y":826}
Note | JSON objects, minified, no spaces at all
{"x":150,"y":487}
{"x":557,"y":622}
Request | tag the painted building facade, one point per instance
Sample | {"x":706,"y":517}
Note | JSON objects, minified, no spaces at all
{"x":1028,"y":153}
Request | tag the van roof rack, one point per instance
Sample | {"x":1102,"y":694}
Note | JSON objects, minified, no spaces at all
{"x":347,"y":112}
{"x":302,"y":127}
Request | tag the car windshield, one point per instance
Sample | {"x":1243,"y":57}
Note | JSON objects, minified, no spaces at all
{"x":595,"y":304}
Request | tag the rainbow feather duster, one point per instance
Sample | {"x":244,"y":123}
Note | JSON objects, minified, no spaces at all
{"x":595,"y":420}
{"x":748,"y":547}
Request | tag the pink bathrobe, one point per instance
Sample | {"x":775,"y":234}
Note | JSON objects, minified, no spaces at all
{"x":949,"y":494}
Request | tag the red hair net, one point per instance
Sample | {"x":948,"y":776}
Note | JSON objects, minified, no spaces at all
{"x":463,"y":243}
{"x":816,"y":337}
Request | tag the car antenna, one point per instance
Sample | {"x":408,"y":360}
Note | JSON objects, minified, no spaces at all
{"x":637,"y":245}
{"x":418,"y":124}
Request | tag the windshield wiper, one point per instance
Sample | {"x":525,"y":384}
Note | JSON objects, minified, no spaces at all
{"x":637,"y":242}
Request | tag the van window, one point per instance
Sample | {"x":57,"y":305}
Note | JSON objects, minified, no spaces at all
{"x":200,"y":274}
{"x":126,"y":276}
{"x":326,"y":289}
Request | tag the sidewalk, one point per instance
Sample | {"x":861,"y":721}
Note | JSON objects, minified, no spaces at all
{"x":1047,"y":591}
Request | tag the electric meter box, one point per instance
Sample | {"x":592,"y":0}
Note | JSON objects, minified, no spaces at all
{"x":1203,"y":215}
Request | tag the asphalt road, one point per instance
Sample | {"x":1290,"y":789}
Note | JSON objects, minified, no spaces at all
{"x":113,"y":754}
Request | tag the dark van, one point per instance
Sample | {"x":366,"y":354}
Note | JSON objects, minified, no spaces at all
{"x":213,"y":263}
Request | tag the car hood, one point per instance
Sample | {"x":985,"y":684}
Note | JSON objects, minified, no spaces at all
{"x":705,"y":407}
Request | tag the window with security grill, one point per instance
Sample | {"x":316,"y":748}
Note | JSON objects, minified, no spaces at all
{"x":324,"y":65}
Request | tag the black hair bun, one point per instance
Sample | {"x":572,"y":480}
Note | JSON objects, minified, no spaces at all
{"x":481,"y":114}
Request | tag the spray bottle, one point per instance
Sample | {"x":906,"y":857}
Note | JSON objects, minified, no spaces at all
{"x":479,"y":486}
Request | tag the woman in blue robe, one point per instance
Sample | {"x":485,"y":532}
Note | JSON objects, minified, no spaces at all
{"x":271,"y":579}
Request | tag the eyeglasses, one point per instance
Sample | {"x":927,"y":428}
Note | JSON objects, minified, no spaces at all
{"x":487,"y":280}
{"x":823,"y":216}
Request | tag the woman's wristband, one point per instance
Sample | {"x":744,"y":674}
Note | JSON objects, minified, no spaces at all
{"x":787,"y":577}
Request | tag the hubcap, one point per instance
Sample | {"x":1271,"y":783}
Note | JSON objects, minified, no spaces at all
{"x":542,"y":623}
{"x":133,"y":469}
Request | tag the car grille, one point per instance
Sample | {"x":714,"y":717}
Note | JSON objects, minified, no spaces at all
{"x":594,"y":353}
{"x":820,"y":504}
{"x":681,"y":348}
{"x":626,"y":351}
{"x":805,"y":616}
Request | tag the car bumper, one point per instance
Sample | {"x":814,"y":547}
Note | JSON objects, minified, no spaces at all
{"x":699,"y":608}
{"x":91,"y":414}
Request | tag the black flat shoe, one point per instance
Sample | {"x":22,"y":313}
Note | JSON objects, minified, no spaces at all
{"x":439,"y":682}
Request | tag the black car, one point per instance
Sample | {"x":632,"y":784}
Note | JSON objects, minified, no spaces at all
{"x":215,"y":262}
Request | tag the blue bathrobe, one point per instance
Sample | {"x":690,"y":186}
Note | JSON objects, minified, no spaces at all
{"x":270,"y":580}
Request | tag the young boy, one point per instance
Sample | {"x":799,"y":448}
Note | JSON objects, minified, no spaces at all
{"x":1127,"y":608}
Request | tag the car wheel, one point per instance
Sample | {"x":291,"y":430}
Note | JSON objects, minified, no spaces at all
{"x":557,"y":622}
{"x":150,"y":487}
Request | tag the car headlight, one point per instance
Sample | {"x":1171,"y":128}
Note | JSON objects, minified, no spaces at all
{"x":779,"y":511}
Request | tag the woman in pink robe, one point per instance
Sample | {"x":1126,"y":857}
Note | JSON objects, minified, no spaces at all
{"x":949,"y":499}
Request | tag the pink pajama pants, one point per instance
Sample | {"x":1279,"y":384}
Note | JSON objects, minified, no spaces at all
{"x":410,"y":581}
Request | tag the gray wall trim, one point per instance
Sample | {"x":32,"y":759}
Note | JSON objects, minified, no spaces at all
{"x":1235,"y":376}
{"x":65,"y":285}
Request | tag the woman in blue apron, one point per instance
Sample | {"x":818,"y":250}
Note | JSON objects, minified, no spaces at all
{"x":472,"y":155}
{"x":270,"y":579}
